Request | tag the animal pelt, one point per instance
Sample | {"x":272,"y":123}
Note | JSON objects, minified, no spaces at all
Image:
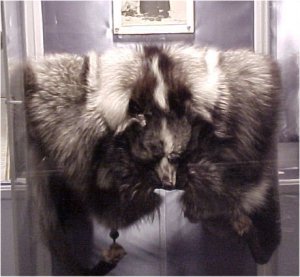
{"x":114,"y":127}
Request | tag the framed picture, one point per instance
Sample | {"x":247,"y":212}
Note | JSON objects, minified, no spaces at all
{"x":153,"y":17}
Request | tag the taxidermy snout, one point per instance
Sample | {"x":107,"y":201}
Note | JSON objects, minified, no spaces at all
{"x":167,"y":174}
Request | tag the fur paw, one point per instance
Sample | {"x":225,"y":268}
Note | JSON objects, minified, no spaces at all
{"x":242,"y":224}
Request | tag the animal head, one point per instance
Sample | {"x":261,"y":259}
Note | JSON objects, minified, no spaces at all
{"x":159,"y":143}
{"x":154,"y":97}
{"x":156,"y":122}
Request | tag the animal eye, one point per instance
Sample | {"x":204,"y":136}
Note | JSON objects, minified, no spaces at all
{"x":148,"y":113}
{"x":134,"y":107}
{"x":173,"y":157}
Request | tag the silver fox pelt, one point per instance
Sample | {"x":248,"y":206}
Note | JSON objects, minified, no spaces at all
{"x":113,"y":127}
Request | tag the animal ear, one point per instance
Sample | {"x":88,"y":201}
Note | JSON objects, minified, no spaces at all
{"x":140,"y":119}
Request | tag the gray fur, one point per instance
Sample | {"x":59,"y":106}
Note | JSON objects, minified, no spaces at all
{"x":128,"y":112}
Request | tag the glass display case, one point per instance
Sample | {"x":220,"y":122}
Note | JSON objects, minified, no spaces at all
{"x":169,"y":245}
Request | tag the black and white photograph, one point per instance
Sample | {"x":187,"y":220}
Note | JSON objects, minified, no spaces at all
{"x":153,"y":17}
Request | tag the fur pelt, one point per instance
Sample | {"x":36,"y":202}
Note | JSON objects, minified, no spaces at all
{"x":114,"y":127}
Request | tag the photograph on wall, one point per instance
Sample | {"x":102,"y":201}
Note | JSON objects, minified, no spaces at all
{"x":153,"y":17}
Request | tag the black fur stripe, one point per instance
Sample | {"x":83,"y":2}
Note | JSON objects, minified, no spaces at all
{"x":178,"y":93}
{"x":85,"y":70}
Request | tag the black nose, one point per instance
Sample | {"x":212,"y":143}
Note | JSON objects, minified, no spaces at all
{"x":167,"y":185}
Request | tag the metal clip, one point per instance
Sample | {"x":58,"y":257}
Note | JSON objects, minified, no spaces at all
{"x":14,"y":102}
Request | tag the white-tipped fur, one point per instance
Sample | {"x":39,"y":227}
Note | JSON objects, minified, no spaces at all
{"x":205,"y":86}
{"x":199,"y":66}
{"x":213,"y":71}
{"x":212,"y":60}
{"x":160,"y":90}
{"x":116,"y":80}
{"x":255,"y":197}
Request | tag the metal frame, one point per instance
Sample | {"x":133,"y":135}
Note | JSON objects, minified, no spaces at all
{"x":9,"y":132}
{"x":16,"y":189}
{"x":262,"y":26}
{"x":33,"y":28}
{"x":34,"y":45}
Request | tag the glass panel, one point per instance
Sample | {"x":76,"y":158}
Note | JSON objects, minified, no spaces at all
{"x":5,"y":161}
{"x":170,"y":244}
{"x":161,"y":246}
{"x":285,"y":42}
{"x":26,"y":238}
